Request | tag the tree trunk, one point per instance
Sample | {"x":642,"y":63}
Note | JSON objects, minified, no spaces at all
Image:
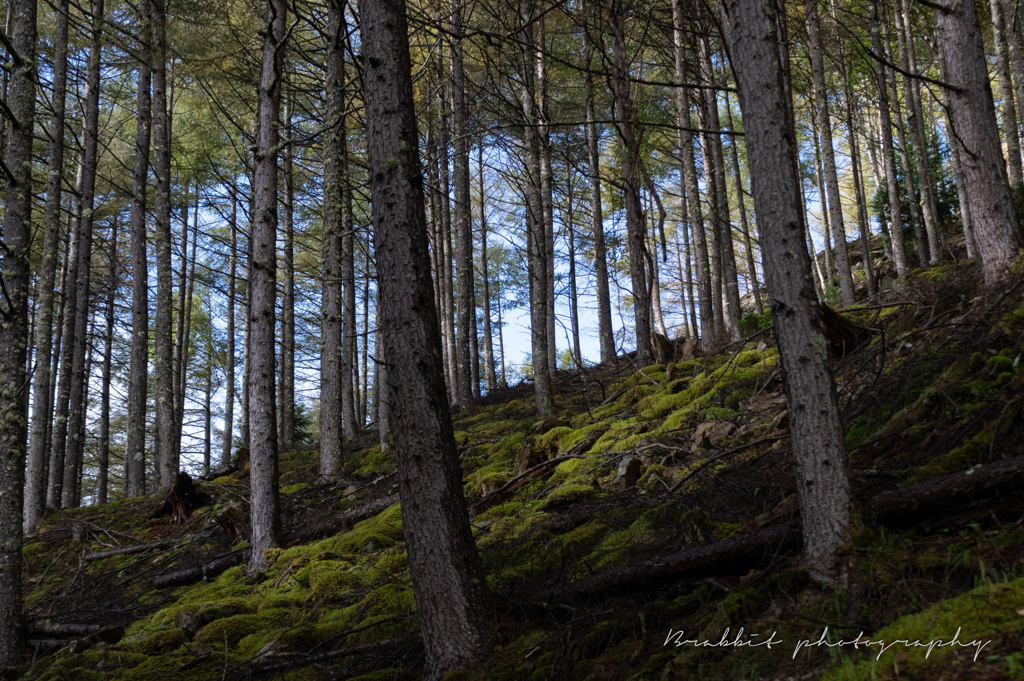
{"x":1011,"y":132}
{"x":185,"y":337}
{"x":229,"y":352}
{"x":899,"y":253}
{"x":86,"y":199}
{"x":546,"y":191}
{"x":742,"y":202}
{"x":163,"y":346}
{"x":332,"y":376}
{"x":42,"y":395}
{"x":447,"y":296}
{"x":103,"y":454}
{"x":963,"y":199}
{"x":463,"y":224}
{"x":574,"y":313}
{"x":490,"y":380}
{"x":817,"y":437}
{"x":266,"y":521}
{"x":16,"y":278}
{"x":824,"y":124}
{"x":630,"y":134}
{"x":688,"y":178}
{"x":605,"y":334}
{"x":286,"y":390}
{"x":181,"y":321}
{"x":447,"y":580}
{"x":349,"y":346}
{"x":972,"y":113}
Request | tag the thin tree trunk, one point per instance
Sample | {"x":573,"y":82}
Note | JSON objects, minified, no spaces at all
{"x":229,"y":353}
{"x":958,"y":172}
{"x":180,"y":319}
{"x":824,"y":123}
{"x":899,"y":252}
{"x":819,"y":175}
{"x":462,"y":209}
{"x":574,"y":313}
{"x":266,"y":518}
{"x":546,"y":192}
{"x":447,"y":297}
{"x":286,"y":390}
{"x":14,"y":337}
{"x":103,"y":453}
{"x":349,"y":347}
{"x":1011,"y":131}
{"x":490,"y":380}
{"x":87,"y":199}
{"x":447,"y":580}
{"x":742,"y":202}
{"x":42,"y":396}
{"x":826,"y":505}
{"x":974,"y":127}
{"x":365,"y":393}
{"x":605,"y":334}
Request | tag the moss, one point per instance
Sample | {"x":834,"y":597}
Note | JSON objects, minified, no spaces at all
{"x":736,"y":397}
{"x":292,"y":489}
{"x":565,"y":495}
{"x":989,"y":613}
{"x":329,"y":580}
{"x":234,"y":629}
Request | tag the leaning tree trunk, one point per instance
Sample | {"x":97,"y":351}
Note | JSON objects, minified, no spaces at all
{"x":332,"y":378}
{"x":42,"y":396}
{"x":447,"y":580}
{"x":266,"y":519}
{"x":973,"y":115}
{"x":16,"y":278}
{"x":86,"y":201}
{"x":817,"y":438}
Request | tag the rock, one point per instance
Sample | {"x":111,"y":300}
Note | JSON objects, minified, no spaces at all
{"x":781,"y":422}
{"x":628,"y":473}
{"x":711,"y":433}
{"x":766,"y":402}
{"x":188,"y":624}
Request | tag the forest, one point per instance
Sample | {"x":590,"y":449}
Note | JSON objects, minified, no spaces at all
{"x":422,"y":340}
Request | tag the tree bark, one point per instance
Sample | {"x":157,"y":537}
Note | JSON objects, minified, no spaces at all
{"x":286,"y":389}
{"x":332,"y":376}
{"x":462,"y":209}
{"x":266,"y":521}
{"x":103,"y":453}
{"x":972,"y":113}
{"x":546,"y":190}
{"x":163,"y":345}
{"x":229,"y":352}
{"x":14,"y":339}
{"x":42,"y":395}
{"x":826,"y":505}
{"x":447,"y":580}
{"x":490,"y":379}
{"x":742,"y":202}
{"x":1011,"y":132}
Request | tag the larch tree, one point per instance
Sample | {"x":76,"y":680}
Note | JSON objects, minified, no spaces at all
{"x":448,"y":584}
{"x":15,"y":275}
{"x":823,"y":484}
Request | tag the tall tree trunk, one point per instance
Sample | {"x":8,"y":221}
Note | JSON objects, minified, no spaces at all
{"x":63,"y":355}
{"x":103,"y":453}
{"x":266,"y":519}
{"x":863,"y":223}
{"x":826,"y":505}
{"x":547,"y":181}
{"x":630,"y":133}
{"x":490,"y":380}
{"x":87,"y":199}
{"x":748,"y":246}
{"x":16,"y":278}
{"x":972,"y":114}
{"x":447,"y":580}
{"x":688,"y":177}
{"x":286,"y":390}
{"x":574,"y":313}
{"x":605,"y":335}
{"x":42,"y":395}
{"x":819,"y":175}
{"x":184,"y":339}
{"x":349,"y":391}
{"x":163,"y":345}
{"x":959,"y":181}
{"x":824,"y":123}
{"x":180,"y":320}
{"x":536,"y":260}
{"x":899,"y":252}
{"x":447,"y":297}
{"x":229,"y":352}
{"x":364,"y":370}
{"x":332,"y":377}
{"x":463,"y":224}
{"x":135,"y":450}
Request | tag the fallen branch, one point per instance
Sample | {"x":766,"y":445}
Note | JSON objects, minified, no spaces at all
{"x":410,"y":642}
{"x":138,"y":548}
{"x":499,"y":495}
{"x":344,"y":520}
{"x":193,"y":575}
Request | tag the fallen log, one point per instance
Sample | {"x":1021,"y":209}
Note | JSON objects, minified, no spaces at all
{"x":740,"y":553}
{"x":195,"y":574}
{"x":137,"y":548}
{"x":501,"y":494}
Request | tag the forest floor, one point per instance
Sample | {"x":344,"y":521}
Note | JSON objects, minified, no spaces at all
{"x":659,"y":500}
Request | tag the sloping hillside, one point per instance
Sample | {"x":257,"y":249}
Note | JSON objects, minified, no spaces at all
{"x":659,"y":500}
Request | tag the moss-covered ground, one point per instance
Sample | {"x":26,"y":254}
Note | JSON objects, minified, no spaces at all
{"x":936,"y":390}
